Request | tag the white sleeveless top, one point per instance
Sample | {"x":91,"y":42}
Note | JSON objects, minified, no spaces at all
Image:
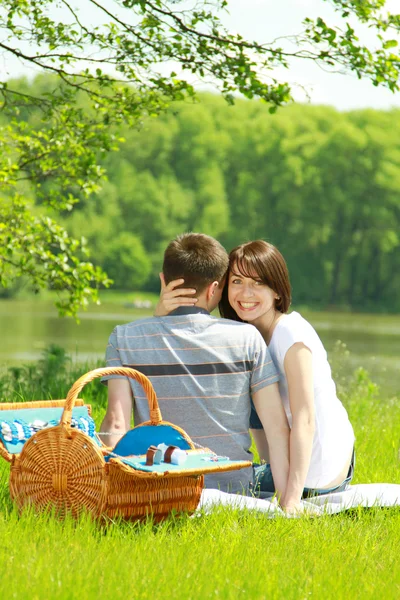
{"x":334,"y":437}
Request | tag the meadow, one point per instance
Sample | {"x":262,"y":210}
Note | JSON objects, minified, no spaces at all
{"x":227,"y":554}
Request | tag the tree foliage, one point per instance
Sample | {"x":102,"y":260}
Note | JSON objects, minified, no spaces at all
{"x":321,"y":185}
{"x":130,"y":61}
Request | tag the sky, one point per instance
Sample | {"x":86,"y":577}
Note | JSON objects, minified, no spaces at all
{"x":265,"y":20}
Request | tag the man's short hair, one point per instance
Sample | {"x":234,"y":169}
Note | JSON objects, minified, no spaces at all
{"x":197,"y":258}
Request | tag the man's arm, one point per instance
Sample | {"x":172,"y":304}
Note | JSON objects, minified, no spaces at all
{"x":268,"y":404}
{"x":119,"y":410}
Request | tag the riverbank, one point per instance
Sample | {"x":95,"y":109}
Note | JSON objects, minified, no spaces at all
{"x":29,"y":326}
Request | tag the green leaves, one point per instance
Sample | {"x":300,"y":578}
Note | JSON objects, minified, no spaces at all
{"x":127,"y":262}
{"x":37,"y":248}
{"x":340,"y":47}
{"x":127,"y":63}
{"x":390,"y":44}
{"x":135,"y":42}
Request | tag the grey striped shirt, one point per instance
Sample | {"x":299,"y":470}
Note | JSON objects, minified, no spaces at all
{"x":203,"y":370}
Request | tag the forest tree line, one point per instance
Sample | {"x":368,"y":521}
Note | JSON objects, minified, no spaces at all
{"x":322,"y":185}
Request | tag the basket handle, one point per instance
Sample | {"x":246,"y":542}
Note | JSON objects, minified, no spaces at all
{"x":155,"y":413}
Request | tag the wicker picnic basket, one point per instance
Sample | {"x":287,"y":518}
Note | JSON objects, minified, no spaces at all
{"x":63,"y":468}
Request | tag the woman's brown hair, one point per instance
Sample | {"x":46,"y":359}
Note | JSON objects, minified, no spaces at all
{"x":264,"y":261}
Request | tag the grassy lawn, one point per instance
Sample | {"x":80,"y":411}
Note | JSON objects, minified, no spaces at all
{"x":227,"y":554}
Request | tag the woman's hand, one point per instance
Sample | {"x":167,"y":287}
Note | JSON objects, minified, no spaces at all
{"x":171,"y":298}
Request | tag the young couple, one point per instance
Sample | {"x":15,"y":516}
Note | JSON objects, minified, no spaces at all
{"x":217,"y":379}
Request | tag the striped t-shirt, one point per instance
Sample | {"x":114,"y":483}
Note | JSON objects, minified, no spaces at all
{"x":204,"y":370}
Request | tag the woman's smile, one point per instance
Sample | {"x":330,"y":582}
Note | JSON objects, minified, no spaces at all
{"x":248,"y":305}
{"x":249,"y":297}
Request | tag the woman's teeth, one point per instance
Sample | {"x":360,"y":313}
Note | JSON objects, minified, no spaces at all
{"x":248,"y":304}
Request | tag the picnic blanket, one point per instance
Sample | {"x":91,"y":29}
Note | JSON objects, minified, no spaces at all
{"x":366,"y":495}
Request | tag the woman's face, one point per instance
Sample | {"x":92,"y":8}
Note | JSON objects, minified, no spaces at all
{"x":249,"y":297}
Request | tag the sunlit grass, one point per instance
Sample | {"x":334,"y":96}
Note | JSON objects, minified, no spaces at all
{"x":227,"y":554}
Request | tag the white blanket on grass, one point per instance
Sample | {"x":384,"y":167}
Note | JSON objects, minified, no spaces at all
{"x":366,"y":495}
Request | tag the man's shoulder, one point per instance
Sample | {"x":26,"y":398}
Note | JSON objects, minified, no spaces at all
{"x":204,"y":322}
{"x":138,"y":324}
{"x":146,"y":324}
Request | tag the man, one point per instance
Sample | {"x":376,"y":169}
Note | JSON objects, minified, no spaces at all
{"x":204,"y":370}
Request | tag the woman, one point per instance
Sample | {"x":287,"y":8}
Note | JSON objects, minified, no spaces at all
{"x":321,"y":438}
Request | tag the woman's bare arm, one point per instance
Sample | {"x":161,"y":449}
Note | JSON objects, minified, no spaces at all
{"x":299,"y":373}
{"x":268,"y":404}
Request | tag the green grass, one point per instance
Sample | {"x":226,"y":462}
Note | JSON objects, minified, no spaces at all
{"x":227,"y":554}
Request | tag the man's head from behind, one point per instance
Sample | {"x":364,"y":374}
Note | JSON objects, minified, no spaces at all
{"x":198,"y":259}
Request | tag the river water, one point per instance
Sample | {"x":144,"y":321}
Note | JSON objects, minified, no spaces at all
{"x":29,"y":326}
